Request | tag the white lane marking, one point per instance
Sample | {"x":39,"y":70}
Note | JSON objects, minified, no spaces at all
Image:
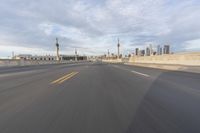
{"x":116,"y":66}
{"x":20,"y":73}
{"x":77,"y":64}
{"x":146,"y":75}
{"x":142,"y":74}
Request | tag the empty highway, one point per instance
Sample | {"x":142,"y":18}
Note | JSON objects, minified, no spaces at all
{"x":96,"y":97}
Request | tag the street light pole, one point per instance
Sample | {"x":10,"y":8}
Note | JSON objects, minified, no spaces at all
{"x":76,"y":58}
{"x":108,"y":53}
{"x":57,"y":50}
{"x":118,"y":50}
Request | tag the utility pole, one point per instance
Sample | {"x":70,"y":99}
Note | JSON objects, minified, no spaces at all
{"x":57,"y":50}
{"x":118,"y":50}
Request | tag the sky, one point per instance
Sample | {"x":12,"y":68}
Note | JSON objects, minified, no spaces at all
{"x":93,"y":26}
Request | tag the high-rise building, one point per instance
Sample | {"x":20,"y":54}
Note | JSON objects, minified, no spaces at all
{"x":166,"y":49}
{"x":148,"y":53}
{"x":151,"y":49}
{"x":137,"y":51}
{"x":158,"y":50}
{"x":161,"y":51}
{"x":142,"y":52}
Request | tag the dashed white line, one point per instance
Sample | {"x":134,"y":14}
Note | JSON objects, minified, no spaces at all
{"x":20,"y":73}
{"x":139,"y":73}
{"x":146,"y":75}
{"x":116,"y":66}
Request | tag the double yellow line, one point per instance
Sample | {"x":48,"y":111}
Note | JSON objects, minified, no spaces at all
{"x":64,"y":78}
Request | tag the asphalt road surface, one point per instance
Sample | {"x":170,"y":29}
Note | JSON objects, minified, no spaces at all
{"x":95,"y":97}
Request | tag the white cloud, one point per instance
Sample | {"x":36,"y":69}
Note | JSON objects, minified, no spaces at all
{"x":94,"y":26}
{"x":192,"y":45}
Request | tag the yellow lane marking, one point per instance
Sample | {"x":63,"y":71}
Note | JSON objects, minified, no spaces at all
{"x":67,"y":78}
{"x":56,"y":81}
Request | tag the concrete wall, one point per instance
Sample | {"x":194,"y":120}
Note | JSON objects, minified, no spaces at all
{"x":9,"y":63}
{"x":112,"y":60}
{"x":190,"y":59}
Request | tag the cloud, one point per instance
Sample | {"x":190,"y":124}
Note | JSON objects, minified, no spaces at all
{"x":192,"y":45}
{"x":93,"y":26}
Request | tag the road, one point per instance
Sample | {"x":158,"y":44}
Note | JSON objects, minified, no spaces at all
{"x":96,"y":97}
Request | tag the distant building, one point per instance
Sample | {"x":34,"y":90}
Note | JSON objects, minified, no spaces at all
{"x":158,"y":50}
{"x":151,"y":49}
{"x":166,"y":49}
{"x":142,"y":52}
{"x":161,"y":51}
{"x":148,"y":53}
{"x":50,"y":58}
{"x":30,"y":57}
{"x":137,"y":51}
{"x":22,"y":56}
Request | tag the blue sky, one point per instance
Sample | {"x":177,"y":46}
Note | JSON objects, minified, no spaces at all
{"x":31,"y":26}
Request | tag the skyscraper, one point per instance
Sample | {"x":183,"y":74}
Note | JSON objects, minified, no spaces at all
{"x":148,"y":53}
{"x":158,"y":50}
{"x":166,"y":49}
{"x":142,"y":52}
{"x":161,"y":51}
{"x":151,"y":49}
{"x":137,"y":51}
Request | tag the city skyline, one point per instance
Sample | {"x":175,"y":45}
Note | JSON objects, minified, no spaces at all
{"x":94,"y":26}
{"x":153,"y":50}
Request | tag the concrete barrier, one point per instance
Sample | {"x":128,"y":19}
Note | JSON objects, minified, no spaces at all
{"x":188,"y":62}
{"x":7,"y":62}
{"x":194,"y":69}
{"x":188,"y":59}
{"x":113,"y":60}
{"x":12,"y":62}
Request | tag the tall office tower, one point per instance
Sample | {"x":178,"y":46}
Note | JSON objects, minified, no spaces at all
{"x":137,"y":51}
{"x":142,"y":52}
{"x":148,"y":53}
{"x":161,"y":51}
{"x":158,"y":50}
{"x":166,"y":49}
{"x":151,"y":49}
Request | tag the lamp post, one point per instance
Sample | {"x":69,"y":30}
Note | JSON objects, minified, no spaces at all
{"x":57,"y":50}
{"x":118,"y":50}
{"x":76,"y":58}
{"x":108,"y":53}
